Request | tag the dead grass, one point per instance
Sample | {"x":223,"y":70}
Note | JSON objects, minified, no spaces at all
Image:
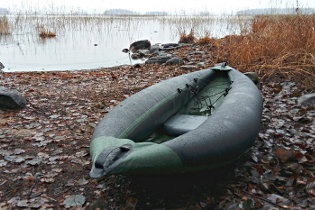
{"x":282,"y":46}
{"x":206,"y":40}
{"x":4,"y":26}
{"x":45,"y":33}
{"x":187,"y":38}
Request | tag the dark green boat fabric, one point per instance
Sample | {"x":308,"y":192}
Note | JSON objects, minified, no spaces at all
{"x":118,"y":145}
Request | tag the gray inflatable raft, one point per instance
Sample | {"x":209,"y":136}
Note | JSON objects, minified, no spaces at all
{"x":200,"y":120}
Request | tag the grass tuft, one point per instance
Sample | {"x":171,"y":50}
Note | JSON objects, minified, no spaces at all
{"x":45,"y":33}
{"x":187,"y":38}
{"x":4,"y":26}
{"x":206,"y":40}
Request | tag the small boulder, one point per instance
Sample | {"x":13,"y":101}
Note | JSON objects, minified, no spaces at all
{"x":135,"y":56}
{"x":125,"y":50}
{"x":307,"y":100}
{"x":154,"y":49}
{"x":11,"y":99}
{"x":175,"y":61}
{"x":170,"y":46}
{"x":140,"y":54}
{"x":1,"y":66}
{"x":140,"y":45}
{"x":201,"y":64}
{"x":253,"y":76}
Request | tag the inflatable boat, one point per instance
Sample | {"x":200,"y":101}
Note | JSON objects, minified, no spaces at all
{"x":197,"y":121}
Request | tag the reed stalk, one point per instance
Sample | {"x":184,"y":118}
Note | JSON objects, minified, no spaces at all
{"x":4,"y":26}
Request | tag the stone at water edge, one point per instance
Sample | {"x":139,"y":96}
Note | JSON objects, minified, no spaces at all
{"x":1,"y":66}
{"x":253,"y":76}
{"x":140,"y":45}
{"x":307,"y":100}
{"x":11,"y":99}
{"x":155,"y":49}
{"x":125,"y":50}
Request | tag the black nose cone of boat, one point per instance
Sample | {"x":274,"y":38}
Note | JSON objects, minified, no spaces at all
{"x":107,"y":159}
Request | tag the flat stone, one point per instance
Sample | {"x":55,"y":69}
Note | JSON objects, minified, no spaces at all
{"x":11,"y":99}
{"x":170,"y":45}
{"x":175,"y":61}
{"x":158,"y":60}
{"x":307,"y":100}
{"x":189,"y":67}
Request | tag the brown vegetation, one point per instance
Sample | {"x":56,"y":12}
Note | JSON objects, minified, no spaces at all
{"x":45,"y":33}
{"x":281,"y":45}
{"x":275,"y":45}
{"x":187,"y":38}
{"x":4,"y":26}
{"x":206,"y":40}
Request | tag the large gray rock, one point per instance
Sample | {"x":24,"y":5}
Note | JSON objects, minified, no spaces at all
{"x":307,"y":100}
{"x":11,"y":99}
{"x":140,"y":45}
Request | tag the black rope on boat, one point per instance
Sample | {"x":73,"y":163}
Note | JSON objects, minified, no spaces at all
{"x":206,"y":100}
{"x":227,"y":90}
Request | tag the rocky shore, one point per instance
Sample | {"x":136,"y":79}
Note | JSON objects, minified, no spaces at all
{"x":45,"y":162}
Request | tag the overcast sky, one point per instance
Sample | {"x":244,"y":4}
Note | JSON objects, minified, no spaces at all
{"x":212,"y":6}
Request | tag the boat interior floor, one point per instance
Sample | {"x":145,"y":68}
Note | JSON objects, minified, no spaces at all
{"x":182,"y":123}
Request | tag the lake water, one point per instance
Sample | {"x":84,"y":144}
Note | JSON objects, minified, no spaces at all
{"x":89,"y":42}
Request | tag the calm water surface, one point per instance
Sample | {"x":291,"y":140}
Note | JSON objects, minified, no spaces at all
{"x":88,"y":42}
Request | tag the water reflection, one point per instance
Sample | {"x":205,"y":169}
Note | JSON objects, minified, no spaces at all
{"x":86,"y":42}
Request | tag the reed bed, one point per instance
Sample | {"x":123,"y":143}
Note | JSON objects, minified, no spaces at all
{"x":67,"y":23}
